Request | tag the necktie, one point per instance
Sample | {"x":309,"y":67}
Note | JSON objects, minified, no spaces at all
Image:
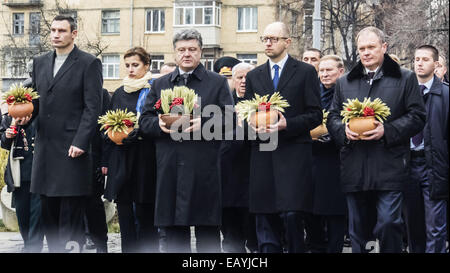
{"x":417,"y":139}
{"x":370,"y":75}
{"x":183,"y":79}
{"x":276,"y":77}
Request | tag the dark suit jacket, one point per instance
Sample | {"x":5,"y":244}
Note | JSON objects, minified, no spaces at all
{"x":66,"y":113}
{"x":188,"y":190}
{"x":280,"y":180}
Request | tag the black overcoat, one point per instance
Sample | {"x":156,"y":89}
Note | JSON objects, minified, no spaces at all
{"x":280,"y":180}
{"x":436,"y":139}
{"x":382,"y":164}
{"x":188,"y":178}
{"x":328,"y":196}
{"x":131,"y":167}
{"x":66,"y":113}
{"x":235,"y":170}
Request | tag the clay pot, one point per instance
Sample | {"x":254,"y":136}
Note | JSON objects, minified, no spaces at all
{"x":169,"y":119}
{"x":318,"y":131}
{"x":20,"y":110}
{"x":361,"y":124}
{"x":263,"y":118}
{"x":117,"y":137}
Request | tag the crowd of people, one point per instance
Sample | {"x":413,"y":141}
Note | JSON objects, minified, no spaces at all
{"x":390,"y":187}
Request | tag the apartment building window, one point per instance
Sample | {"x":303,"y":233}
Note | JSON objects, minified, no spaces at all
{"x":157,"y":62}
{"x":248,"y":19}
{"x":308,"y":22}
{"x":155,"y":20}
{"x":16,"y":69}
{"x":197,"y":13}
{"x":18,"y":23}
{"x":35,"y":27}
{"x":248,"y":58}
{"x":111,"y":21}
{"x":111,"y":65}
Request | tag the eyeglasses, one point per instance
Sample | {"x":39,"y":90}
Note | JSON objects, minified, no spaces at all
{"x":272,"y":39}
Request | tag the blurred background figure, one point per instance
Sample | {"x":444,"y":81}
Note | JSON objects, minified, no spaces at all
{"x":441,"y":69}
{"x":167,"y":68}
{"x":312,"y":56}
{"x":223,"y":66}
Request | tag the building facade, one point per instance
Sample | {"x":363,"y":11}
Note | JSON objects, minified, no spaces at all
{"x":107,"y":28}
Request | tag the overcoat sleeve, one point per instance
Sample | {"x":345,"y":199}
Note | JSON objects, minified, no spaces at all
{"x":149,"y":121}
{"x":92,"y":96}
{"x":312,"y":116}
{"x":334,"y":121}
{"x":413,"y":121}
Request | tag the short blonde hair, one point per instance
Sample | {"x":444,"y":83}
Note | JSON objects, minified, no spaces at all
{"x":336,"y":58}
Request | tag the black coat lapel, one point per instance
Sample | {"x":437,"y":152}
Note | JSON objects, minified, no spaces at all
{"x":71,"y":59}
{"x":287,"y":73}
{"x":266,"y":79}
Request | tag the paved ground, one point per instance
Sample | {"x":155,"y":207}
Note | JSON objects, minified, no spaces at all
{"x":11,"y":242}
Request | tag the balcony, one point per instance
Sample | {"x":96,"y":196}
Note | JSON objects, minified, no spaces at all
{"x":22,"y":3}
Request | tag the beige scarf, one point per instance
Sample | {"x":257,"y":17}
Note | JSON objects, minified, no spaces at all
{"x":133,"y":85}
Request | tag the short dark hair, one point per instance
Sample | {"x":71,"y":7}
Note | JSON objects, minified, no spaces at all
{"x":68,"y":18}
{"x":434,"y":51}
{"x":138,"y":51}
{"x":314,"y":50}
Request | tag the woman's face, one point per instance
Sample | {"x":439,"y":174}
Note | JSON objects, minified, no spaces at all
{"x":135,"y":67}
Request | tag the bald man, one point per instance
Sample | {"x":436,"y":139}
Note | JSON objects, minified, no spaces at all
{"x":281,"y":180}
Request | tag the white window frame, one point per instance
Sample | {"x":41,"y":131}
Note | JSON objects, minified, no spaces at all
{"x":35,"y":28}
{"x":251,"y":29}
{"x":156,"y":59}
{"x":215,"y":19}
{"x":19,"y":22}
{"x":147,"y":26}
{"x":106,"y":65}
{"x":245,"y":59}
{"x":105,"y":31}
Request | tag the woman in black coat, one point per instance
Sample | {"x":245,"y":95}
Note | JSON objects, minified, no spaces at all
{"x":131,"y":179}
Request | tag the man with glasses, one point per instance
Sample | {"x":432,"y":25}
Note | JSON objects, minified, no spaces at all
{"x":280,"y":180}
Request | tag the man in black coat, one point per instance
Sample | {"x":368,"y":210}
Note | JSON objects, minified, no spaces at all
{"x":69,"y":82}
{"x":426,"y":198}
{"x":374,"y":170}
{"x":280,"y":180}
{"x":188,"y":190}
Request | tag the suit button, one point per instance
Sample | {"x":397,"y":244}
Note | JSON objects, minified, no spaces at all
{"x":48,"y":115}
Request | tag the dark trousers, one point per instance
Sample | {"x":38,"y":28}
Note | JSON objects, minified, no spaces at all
{"x":238,"y":230}
{"x":315,"y":233}
{"x":63,"y":222}
{"x":335,"y":232}
{"x":435,"y":210}
{"x":28,"y":211}
{"x":142,"y":237}
{"x":388,"y":229}
{"x":270,"y":229}
{"x":96,"y":223}
{"x":178,"y":239}
{"x":413,"y":209}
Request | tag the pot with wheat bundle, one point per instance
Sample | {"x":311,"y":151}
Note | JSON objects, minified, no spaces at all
{"x":118,"y":124}
{"x":19,"y":100}
{"x":321,"y":129}
{"x":361,"y":116}
{"x":176,"y":106}
{"x":261,"y":112}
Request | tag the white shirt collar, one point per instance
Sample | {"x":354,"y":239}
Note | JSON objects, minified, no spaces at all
{"x":428,"y":85}
{"x":280,"y":63}
{"x":182,"y":72}
{"x":367,"y":70}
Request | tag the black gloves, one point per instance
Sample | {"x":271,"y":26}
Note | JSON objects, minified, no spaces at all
{"x":132,"y":137}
